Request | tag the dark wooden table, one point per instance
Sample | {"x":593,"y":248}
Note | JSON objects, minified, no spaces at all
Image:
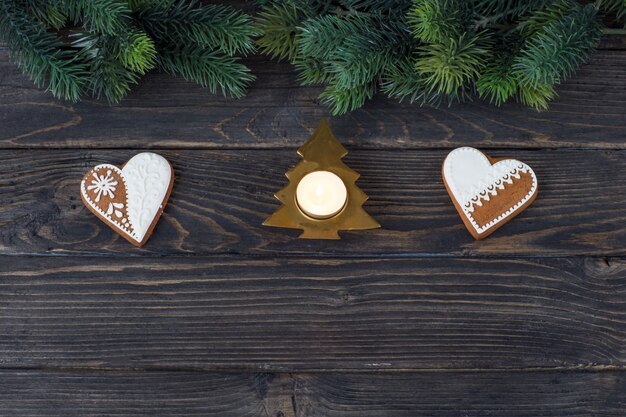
{"x":220,"y":316}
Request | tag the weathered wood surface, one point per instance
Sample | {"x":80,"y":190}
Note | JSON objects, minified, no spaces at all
{"x":164,"y":112}
{"x":327,"y":314}
{"x":529,"y":322}
{"x":444,"y":394}
{"x":221,"y":198}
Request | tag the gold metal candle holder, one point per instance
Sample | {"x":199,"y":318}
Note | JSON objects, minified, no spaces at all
{"x":322,"y":152}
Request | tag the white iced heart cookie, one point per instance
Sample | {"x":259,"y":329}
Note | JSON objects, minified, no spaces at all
{"x":132,"y":198}
{"x":487,"y":192}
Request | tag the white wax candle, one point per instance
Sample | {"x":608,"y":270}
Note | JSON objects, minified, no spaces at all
{"x":321,"y":194}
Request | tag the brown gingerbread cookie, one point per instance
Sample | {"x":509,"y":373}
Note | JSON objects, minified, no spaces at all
{"x":487,"y":192}
{"x":129,"y":199}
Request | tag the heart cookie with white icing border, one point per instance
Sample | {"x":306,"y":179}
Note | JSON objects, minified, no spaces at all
{"x":487,"y":192}
{"x":129,"y":199}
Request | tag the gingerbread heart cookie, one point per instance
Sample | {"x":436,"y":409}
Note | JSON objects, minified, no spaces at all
{"x":487,"y":192}
{"x":129,"y":199}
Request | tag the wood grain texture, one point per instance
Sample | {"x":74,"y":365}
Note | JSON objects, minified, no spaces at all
{"x":29,"y":393}
{"x":325,"y":314}
{"x":453,"y":394}
{"x":164,"y":112}
{"x":220,"y":199}
{"x":530,"y":322}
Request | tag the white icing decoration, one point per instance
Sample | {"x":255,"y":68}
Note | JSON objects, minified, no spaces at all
{"x":84,"y":190}
{"x":115,"y":208}
{"x":146,"y":177}
{"x":472,"y":179}
{"x":103,"y":185}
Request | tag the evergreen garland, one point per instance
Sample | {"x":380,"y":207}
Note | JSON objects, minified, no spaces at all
{"x":102,"y":47}
{"x":426,"y":51}
{"x":431,"y":50}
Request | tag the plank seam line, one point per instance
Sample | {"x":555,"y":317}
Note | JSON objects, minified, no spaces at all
{"x":269,"y":370}
{"x":351,"y":148}
{"x":303,"y":256}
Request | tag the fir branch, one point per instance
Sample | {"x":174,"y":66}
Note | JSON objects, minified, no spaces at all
{"x":46,"y":11}
{"x":552,"y":12}
{"x":39,"y":53}
{"x":183,"y":21}
{"x":136,"y":51}
{"x":354,"y":49}
{"x":350,"y":72}
{"x":135,"y":5}
{"x":109,"y":77}
{"x":111,"y":50}
{"x":497,"y":82}
{"x":312,"y":71}
{"x":450,"y":66}
{"x":500,"y":49}
{"x":390,"y":6}
{"x":314,"y":7}
{"x":402,"y":81}
{"x":536,"y":97}
{"x":617,"y":7}
{"x":435,"y":20}
{"x":279,"y":25}
{"x":210,"y":69}
{"x":501,"y":10}
{"x":558,"y":49}
{"x":342,"y":100}
{"x":321,"y":37}
{"x":107,"y":17}
{"x":375,"y":31}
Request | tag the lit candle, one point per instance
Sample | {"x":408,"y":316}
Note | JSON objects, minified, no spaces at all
{"x":321,"y":194}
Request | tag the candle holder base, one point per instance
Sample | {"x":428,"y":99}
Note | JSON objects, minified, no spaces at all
{"x":322,"y":152}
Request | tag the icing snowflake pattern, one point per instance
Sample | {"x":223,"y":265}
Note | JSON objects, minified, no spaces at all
{"x":107,"y":187}
{"x":103,"y":185}
{"x":130,"y":198}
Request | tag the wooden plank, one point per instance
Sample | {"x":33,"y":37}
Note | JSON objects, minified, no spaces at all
{"x":455,"y":394}
{"x":220,"y":199}
{"x":613,"y":42}
{"x":471,"y":394}
{"x":163,"y":112}
{"x":36,"y":393}
{"x":294,"y":315}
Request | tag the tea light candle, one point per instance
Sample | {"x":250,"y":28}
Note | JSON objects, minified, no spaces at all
{"x":321,"y":194}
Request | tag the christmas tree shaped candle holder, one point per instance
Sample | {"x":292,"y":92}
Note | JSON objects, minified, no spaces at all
{"x":322,"y":197}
